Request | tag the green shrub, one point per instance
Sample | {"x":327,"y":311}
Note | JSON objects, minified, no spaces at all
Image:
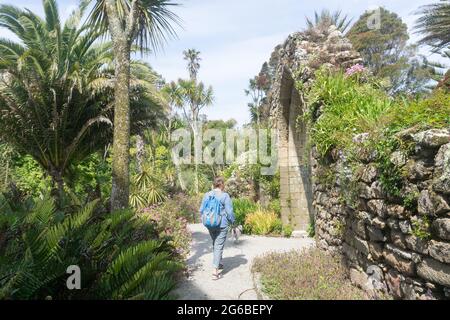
{"x":242,"y":207}
{"x":431,"y":112}
{"x":275,"y":206}
{"x":309,"y":275}
{"x":171,"y":224}
{"x":348,"y":108}
{"x":146,"y":190}
{"x":119,"y":254}
{"x":262,"y":222}
{"x":311,"y":229}
{"x":287,"y":231}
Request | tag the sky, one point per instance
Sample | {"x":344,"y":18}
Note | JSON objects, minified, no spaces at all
{"x":235,"y":37}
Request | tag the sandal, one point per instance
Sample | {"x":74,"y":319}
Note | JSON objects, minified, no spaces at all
{"x":216,"y":276}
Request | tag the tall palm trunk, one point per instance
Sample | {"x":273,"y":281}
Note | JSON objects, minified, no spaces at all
{"x":140,"y":152}
{"x":58,"y":182}
{"x":197,"y":150}
{"x":121,"y":144}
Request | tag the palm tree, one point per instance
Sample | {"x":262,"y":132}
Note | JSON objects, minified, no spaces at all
{"x":56,"y":89}
{"x":434,"y":24}
{"x":192,"y":56}
{"x":52,"y":93}
{"x":145,"y":23}
{"x":325,"y":19}
{"x":257,"y":88}
{"x":191,"y":97}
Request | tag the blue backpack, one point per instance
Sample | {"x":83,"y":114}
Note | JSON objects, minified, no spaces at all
{"x":211,"y":215}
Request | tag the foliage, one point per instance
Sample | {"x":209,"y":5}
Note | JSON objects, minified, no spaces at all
{"x":385,"y":51}
{"x":257,"y":90}
{"x":433,"y":111}
{"x":421,"y":228}
{"x":311,"y":230}
{"x":242,"y":208}
{"x":342,"y":107}
{"x":146,"y":190}
{"x":434,"y":24}
{"x":287,"y":231}
{"x":325,"y":19}
{"x":118,"y":253}
{"x":275,"y":206}
{"x":56,"y":92}
{"x":191,"y":97}
{"x":309,"y":275}
{"x":28,"y":176}
{"x":192,"y":56}
{"x":152,"y":20}
{"x":48,"y":78}
{"x":262,"y":222}
{"x":390,"y":175}
{"x":92,"y":176}
{"x":185,"y":206}
{"x":348,"y":108}
{"x":171,"y":224}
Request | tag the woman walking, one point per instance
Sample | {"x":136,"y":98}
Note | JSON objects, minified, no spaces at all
{"x":217,"y":214}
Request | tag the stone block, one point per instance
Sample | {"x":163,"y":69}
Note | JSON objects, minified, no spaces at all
{"x":398,"y":263}
{"x":430,"y":203}
{"x":441,"y":228}
{"x":377,"y":207}
{"x":440,"y":251}
{"x":376,"y":234}
{"x":394,"y":280}
{"x":434,"y":271}
{"x":416,"y":244}
{"x":433,"y":138}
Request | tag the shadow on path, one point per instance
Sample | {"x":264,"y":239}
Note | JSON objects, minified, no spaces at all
{"x":230,"y":263}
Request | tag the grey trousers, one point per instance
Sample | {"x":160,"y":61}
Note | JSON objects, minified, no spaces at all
{"x":218,"y":236}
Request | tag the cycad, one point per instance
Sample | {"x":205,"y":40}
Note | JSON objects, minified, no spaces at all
{"x":118,"y":254}
{"x":57,"y":87}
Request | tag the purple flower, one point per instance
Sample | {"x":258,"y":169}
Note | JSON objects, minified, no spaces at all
{"x":357,"y":68}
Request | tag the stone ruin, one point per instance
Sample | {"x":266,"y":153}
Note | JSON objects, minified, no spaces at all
{"x":296,"y":61}
{"x":375,"y":234}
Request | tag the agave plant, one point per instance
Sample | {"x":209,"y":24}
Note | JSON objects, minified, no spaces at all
{"x":118,"y":253}
{"x":325,"y":19}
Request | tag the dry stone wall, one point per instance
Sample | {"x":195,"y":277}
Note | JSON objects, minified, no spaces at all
{"x":397,"y":245}
{"x":400,"y":244}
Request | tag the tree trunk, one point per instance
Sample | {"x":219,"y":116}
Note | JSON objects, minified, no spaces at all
{"x":121,"y":143}
{"x":58,"y":182}
{"x":197,"y":154}
{"x":140,"y":152}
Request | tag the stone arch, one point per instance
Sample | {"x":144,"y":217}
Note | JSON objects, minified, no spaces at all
{"x":295,"y":178}
{"x":293,"y":62}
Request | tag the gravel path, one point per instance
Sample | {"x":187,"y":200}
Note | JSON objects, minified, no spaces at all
{"x":236,"y":282}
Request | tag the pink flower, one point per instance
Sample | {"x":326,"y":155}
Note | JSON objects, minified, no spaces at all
{"x":357,"y":68}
